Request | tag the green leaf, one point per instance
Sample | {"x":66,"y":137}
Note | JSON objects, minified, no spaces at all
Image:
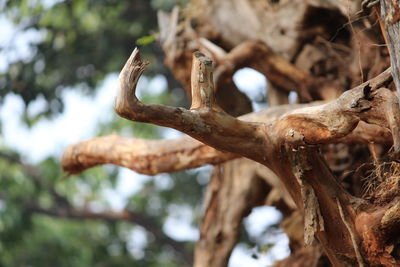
{"x":145,"y":40}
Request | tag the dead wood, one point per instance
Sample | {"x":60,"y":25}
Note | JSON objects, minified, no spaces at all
{"x":297,"y":49}
{"x":299,"y":167}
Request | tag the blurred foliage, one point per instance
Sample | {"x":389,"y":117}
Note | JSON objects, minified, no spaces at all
{"x":76,"y":43}
{"x":31,"y":238}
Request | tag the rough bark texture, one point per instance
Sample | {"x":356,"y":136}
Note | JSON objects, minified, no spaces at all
{"x":317,"y":158}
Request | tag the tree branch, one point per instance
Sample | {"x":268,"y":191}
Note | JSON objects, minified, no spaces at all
{"x":336,"y":119}
{"x":157,"y":156}
{"x":109,"y":216}
{"x":229,"y":198}
{"x":205,"y":123}
{"x":280,"y":72}
{"x":390,"y":13}
{"x":143,"y":156}
{"x":64,"y":209}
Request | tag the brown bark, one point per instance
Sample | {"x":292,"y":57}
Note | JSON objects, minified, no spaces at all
{"x":220,"y":226}
{"x":390,"y":12}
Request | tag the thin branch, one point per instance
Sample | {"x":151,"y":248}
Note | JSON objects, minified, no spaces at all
{"x":109,"y":216}
{"x":64,"y":209}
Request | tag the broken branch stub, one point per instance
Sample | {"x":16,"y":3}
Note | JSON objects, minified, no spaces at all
{"x":202,"y":83}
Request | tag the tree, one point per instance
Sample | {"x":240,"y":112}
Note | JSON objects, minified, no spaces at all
{"x":348,"y":206}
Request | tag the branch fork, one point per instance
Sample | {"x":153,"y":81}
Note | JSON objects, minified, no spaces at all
{"x":205,"y":120}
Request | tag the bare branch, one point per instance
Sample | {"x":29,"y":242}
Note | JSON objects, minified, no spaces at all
{"x":203,"y":84}
{"x":280,"y":72}
{"x":206,"y":124}
{"x":143,"y":156}
{"x":336,"y":119}
{"x":64,"y":209}
{"x":229,"y":198}
{"x":313,"y":125}
{"x":157,"y":156}
{"x":125,"y":216}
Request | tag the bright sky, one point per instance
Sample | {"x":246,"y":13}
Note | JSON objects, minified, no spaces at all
{"x":79,"y":121}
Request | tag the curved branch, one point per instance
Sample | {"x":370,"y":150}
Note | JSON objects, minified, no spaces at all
{"x":156,"y":156}
{"x":109,"y":216}
{"x":280,"y":72}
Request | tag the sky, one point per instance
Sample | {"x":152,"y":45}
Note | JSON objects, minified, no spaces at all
{"x":79,"y":121}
